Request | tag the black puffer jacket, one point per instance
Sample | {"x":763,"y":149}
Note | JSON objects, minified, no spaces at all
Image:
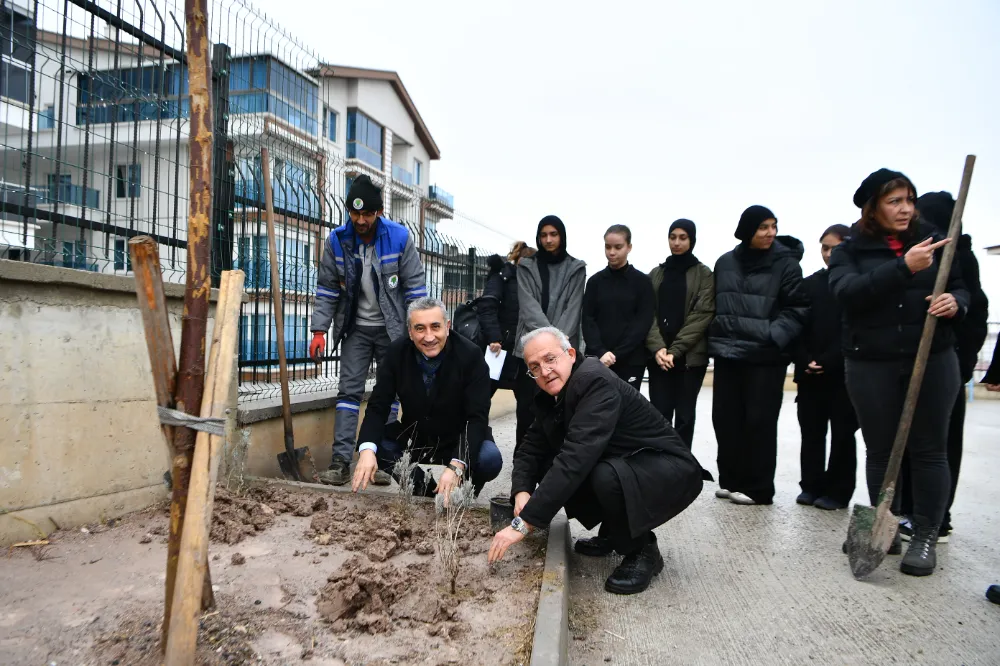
{"x":498,"y":312}
{"x":820,"y":339}
{"x":884,"y":303}
{"x":760,"y":308}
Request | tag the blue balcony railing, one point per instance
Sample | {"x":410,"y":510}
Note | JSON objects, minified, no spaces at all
{"x":437,"y":194}
{"x":402,"y":175}
{"x":67,"y":193}
{"x":359,"y":151}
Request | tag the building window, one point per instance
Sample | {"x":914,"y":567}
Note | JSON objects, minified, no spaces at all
{"x":330,"y":124}
{"x":123,"y":260}
{"x":127,"y":177}
{"x":138,"y":93}
{"x":417,"y":172}
{"x":47,"y":118}
{"x":17,"y":46}
{"x":364,"y":139}
{"x":261,"y":84}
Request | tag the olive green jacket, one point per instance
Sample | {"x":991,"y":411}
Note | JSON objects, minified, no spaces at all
{"x":691,"y":342}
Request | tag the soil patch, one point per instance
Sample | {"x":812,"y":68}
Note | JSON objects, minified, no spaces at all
{"x":331,"y":579}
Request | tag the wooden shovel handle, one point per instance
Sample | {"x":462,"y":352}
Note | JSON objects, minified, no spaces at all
{"x":926,"y":338}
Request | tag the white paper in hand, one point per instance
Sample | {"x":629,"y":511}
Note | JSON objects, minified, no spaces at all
{"x":495,"y":362}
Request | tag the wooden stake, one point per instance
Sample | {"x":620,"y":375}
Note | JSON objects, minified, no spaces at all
{"x":191,"y":369}
{"x":145,"y":255}
{"x":192,"y":563}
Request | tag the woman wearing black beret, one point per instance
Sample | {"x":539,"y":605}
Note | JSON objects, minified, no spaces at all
{"x":883,"y":275}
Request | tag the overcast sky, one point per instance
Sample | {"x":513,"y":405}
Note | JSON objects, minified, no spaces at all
{"x":640,"y":113}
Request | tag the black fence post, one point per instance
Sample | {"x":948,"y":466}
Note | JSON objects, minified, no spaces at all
{"x":223,"y":168}
{"x":470,"y":287}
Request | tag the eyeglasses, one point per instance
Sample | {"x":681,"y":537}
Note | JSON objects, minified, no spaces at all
{"x":548,"y":363}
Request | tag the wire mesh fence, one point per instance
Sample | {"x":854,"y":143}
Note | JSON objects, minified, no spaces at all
{"x":94,"y":129}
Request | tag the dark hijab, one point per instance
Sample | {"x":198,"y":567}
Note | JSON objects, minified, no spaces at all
{"x":546,"y":258}
{"x":672,"y":297}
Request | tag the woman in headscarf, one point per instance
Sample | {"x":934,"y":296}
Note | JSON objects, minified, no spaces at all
{"x":550,"y":287}
{"x":498,"y":310}
{"x":884,"y":275}
{"x":822,"y":400}
{"x":759,"y":312}
{"x":683,"y":307}
{"x":617,"y":307}
{"x":970,"y":334}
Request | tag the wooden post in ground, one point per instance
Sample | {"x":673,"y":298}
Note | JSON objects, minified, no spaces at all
{"x":191,"y":376}
{"x":145,"y":255}
{"x":192,"y":563}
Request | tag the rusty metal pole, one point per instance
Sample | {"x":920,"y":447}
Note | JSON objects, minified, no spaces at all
{"x":191,"y":370}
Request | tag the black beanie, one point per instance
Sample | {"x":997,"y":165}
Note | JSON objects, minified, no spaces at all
{"x":495,"y":263}
{"x":936,"y":208}
{"x":686,"y":225}
{"x":364,"y":195}
{"x":551,"y":220}
{"x":874,"y":182}
{"x":750,"y":220}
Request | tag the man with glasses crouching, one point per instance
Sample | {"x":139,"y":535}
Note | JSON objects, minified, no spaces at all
{"x":602,"y":451}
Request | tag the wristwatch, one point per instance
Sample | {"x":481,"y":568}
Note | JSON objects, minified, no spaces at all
{"x":459,"y":472}
{"x":520,"y":525}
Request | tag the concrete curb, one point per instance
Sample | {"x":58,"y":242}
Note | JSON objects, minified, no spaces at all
{"x":550,"y":643}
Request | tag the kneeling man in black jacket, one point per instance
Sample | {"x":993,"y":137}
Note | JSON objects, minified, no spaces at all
{"x":443,"y":385}
{"x":602,"y":451}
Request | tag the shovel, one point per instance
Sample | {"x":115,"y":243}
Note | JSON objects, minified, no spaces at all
{"x":872,"y":529}
{"x":296,"y":464}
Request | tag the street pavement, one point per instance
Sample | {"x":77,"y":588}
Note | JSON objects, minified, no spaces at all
{"x":769,"y":585}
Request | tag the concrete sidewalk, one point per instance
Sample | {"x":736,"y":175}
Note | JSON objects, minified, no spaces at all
{"x":769,"y":585}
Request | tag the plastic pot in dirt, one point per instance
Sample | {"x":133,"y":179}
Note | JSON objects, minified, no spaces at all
{"x":501,"y":512}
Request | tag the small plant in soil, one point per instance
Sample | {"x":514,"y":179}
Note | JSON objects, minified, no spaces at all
{"x":402,"y":471}
{"x":448,"y":526}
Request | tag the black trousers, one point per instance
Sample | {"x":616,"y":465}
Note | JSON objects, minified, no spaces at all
{"x":601,"y":499}
{"x":675,"y":394}
{"x":823,"y":401}
{"x":877,"y":390}
{"x":956,"y":433}
{"x":525,"y":390}
{"x":745,"y":408}
{"x":630,"y":374}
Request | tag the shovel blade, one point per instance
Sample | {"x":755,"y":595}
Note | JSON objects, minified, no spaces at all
{"x":869,"y":537}
{"x":298,"y":465}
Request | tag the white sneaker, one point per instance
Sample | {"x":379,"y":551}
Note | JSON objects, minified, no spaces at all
{"x":740,"y":498}
{"x":722,"y":493}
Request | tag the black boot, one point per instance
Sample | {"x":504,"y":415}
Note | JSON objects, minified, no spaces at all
{"x":597,"y":546}
{"x":636,"y":571}
{"x":921,"y":558}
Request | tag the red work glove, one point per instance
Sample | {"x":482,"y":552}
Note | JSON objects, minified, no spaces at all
{"x":317,"y":345}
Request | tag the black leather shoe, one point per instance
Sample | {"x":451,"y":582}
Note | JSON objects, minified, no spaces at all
{"x":993,"y":593}
{"x":636,"y":571}
{"x":597,"y":546}
{"x":805,"y":498}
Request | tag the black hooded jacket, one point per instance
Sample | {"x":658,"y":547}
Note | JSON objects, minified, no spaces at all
{"x":970,"y":333}
{"x":498,"y":309}
{"x":760,"y":308}
{"x":820,"y":339}
{"x":885,"y":305}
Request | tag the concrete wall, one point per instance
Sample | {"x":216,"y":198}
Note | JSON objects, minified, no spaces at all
{"x":262,"y":431}
{"x":81,"y":440}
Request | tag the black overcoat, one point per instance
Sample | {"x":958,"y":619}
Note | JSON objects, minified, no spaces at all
{"x":598,"y":417}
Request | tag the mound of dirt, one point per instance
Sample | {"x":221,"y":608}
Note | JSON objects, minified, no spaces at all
{"x":371,"y":597}
{"x":238,"y":516}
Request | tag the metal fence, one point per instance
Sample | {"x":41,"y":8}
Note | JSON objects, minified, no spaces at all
{"x":94,"y":131}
